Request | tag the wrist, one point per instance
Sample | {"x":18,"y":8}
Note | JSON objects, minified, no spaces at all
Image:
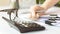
{"x":45,"y":8}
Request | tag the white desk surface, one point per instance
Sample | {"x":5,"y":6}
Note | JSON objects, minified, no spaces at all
{"x":6,"y":29}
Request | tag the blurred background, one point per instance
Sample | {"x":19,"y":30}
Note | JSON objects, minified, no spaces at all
{"x":24,"y":3}
{"x":42,"y":1}
{"x":4,"y":2}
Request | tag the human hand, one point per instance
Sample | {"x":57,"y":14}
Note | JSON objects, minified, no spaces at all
{"x":36,"y":12}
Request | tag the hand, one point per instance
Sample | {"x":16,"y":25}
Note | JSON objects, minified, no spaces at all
{"x":36,"y":12}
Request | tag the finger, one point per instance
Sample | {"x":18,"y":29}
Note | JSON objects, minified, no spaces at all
{"x":37,"y":16}
{"x":34,"y":14}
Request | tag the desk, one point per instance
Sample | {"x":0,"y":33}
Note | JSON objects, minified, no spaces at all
{"x":6,"y":29}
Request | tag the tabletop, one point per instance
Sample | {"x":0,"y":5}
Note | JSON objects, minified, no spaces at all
{"x":6,"y":29}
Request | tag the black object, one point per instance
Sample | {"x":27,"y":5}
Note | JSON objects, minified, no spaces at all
{"x":30,"y":27}
{"x":24,"y":26}
{"x":52,"y":19}
{"x":49,"y":22}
